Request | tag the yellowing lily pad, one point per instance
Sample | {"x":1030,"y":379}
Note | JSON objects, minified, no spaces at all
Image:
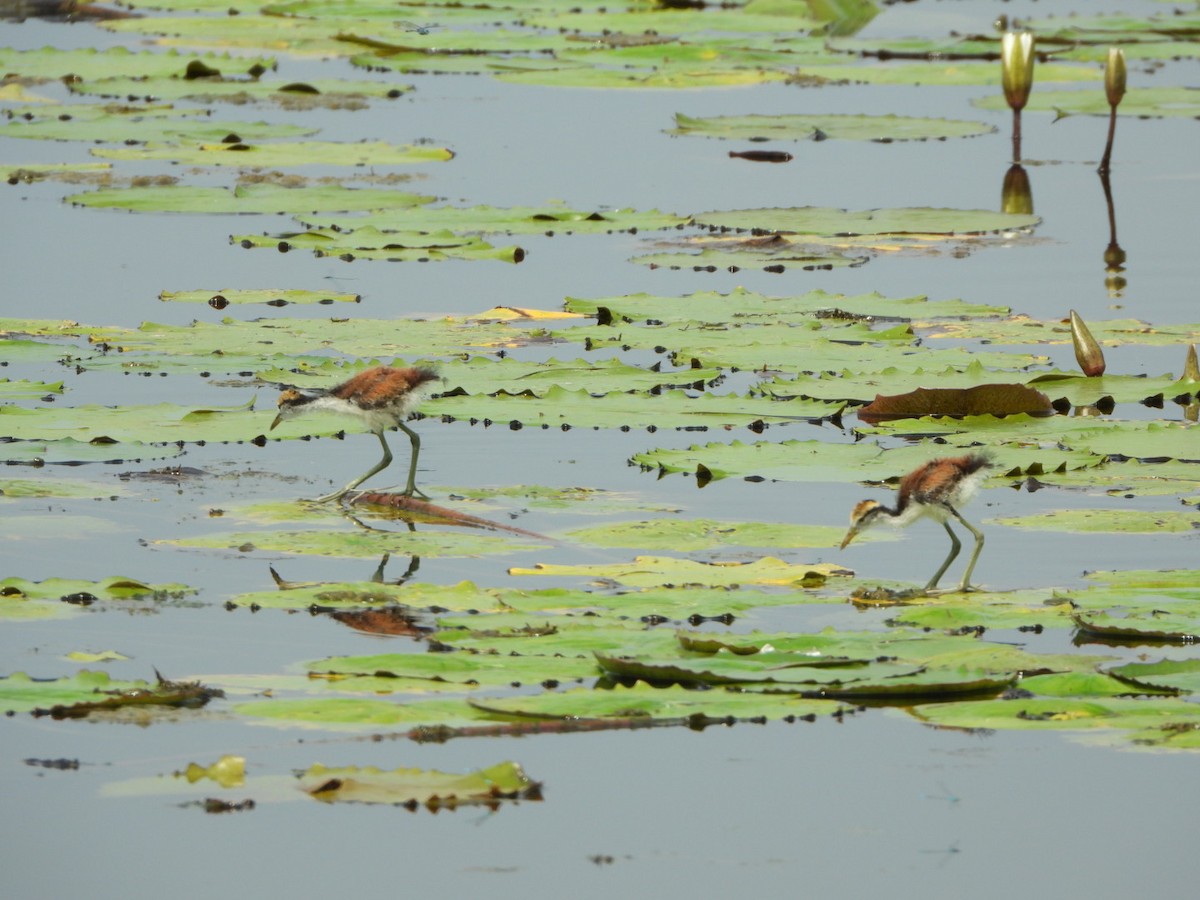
{"x":650,"y":571}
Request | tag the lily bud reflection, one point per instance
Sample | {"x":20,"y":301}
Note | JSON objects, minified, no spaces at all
{"x":1016,"y":196}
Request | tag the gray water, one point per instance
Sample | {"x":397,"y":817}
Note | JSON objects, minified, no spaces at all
{"x":874,"y":803}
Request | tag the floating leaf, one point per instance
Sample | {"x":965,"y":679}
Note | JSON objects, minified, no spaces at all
{"x":358,"y":544}
{"x":836,"y":126}
{"x":827,"y":221}
{"x":247,"y":198}
{"x":219,"y":299}
{"x":984,"y":399}
{"x":704,"y":534}
{"x":648,"y":571}
{"x":434,"y":790}
{"x":298,"y":153}
{"x":1112,"y":521}
{"x":641,"y":700}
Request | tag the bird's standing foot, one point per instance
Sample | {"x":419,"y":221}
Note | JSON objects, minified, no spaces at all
{"x":329,"y":498}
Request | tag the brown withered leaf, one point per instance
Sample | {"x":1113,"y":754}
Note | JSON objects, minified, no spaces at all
{"x":983,"y":399}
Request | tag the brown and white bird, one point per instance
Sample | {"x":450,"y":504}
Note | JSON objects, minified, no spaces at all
{"x":935,"y":490}
{"x":382,"y":397}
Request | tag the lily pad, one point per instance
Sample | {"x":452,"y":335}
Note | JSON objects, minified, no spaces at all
{"x":235,"y":296}
{"x":827,"y":221}
{"x":358,"y":544}
{"x":247,"y":198}
{"x":705,"y":534}
{"x":298,"y":153}
{"x":641,"y":701}
{"x":1110,"y":521}
{"x":651,"y":571}
{"x":836,"y":126}
{"x":419,"y":787}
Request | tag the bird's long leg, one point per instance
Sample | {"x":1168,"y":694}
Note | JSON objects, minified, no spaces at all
{"x":965,"y":585}
{"x":411,"y":487}
{"x":955,"y":546}
{"x":379,"y":467}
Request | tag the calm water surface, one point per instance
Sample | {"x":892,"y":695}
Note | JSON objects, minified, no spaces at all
{"x":874,"y":803}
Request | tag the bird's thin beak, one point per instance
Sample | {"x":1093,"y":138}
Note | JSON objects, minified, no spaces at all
{"x":848,"y":538}
{"x":278,"y":419}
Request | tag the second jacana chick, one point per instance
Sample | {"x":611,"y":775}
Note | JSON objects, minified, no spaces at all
{"x":382,"y":397}
{"x":935,"y":490}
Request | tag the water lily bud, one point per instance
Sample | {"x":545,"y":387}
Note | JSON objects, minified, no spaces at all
{"x":1191,"y":368}
{"x":1016,"y":68}
{"x":1087,"y":350}
{"x":1114,"y":76}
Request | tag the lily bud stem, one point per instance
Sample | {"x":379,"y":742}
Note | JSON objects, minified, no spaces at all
{"x":1112,"y":134}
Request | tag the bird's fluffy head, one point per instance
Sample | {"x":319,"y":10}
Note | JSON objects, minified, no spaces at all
{"x":291,"y":402}
{"x":862,"y":517}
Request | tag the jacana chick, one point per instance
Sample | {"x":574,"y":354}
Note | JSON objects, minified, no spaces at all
{"x":382,"y":397}
{"x":935,"y":490}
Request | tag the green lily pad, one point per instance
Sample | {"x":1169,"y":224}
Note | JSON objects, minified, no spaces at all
{"x":644,"y":701}
{"x":1061,"y":714}
{"x":358,"y":544}
{"x":1108,"y":521}
{"x":836,"y":126}
{"x":117,"y":123}
{"x":69,"y":450}
{"x":743,"y":305}
{"x":19,"y":488}
{"x":821,"y":461}
{"x":273,"y":297}
{"x":395,"y":246}
{"x":653,"y":571}
{"x":25,"y":389}
{"x":432,"y":789}
{"x":463,"y":596}
{"x":560,"y":408}
{"x":1169,"y":674}
{"x":331,"y":93}
{"x":160,"y":422}
{"x":247,"y":198}
{"x":1157,"y":102}
{"x":500,"y":220}
{"x":667,"y":603}
{"x":298,"y":153}
{"x":810,"y":346}
{"x":775,"y":254}
{"x":827,"y":221}
{"x":86,"y":692}
{"x":51,"y":63}
{"x":358,"y":713}
{"x":467,"y":670}
{"x":705,"y":534}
